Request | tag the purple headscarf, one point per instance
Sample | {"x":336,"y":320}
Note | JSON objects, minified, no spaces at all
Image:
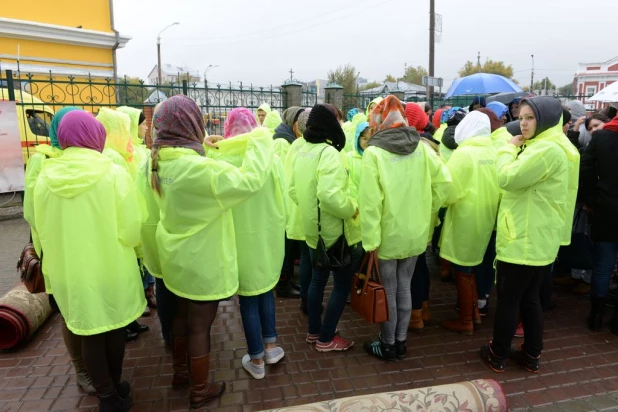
{"x":239,"y":121}
{"x":179,"y":123}
{"x":80,"y":129}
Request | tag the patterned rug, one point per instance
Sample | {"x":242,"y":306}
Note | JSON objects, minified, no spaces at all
{"x":21,"y":314}
{"x":483,"y":395}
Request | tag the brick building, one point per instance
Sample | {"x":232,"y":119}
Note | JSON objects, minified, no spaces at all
{"x":594,"y":77}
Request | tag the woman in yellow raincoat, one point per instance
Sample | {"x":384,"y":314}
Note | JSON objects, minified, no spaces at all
{"x":533,"y":171}
{"x":195,"y":236}
{"x":72,"y":342}
{"x":88,"y":217}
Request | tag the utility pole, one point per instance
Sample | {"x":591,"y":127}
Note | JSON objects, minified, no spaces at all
{"x":478,"y":61}
{"x":432,"y":45}
{"x":532,"y":75}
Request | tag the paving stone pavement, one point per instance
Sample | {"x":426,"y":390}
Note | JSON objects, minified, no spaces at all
{"x":579,"y":369}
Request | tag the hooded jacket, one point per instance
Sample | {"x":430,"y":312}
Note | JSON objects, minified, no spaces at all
{"x":535,"y":179}
{"x":474,"y":196}
{"x":140,"y":151}
{"x":118,"y":143}
{"x":259,"y":222}
{"x":265,"y":107}
{"x":395,"y":210}
{"x":75,"y":235}
{"x":350,"y":131}
{"x":373,"y":103}
{"x":197,"y":246}
{"x":272,"y":120}
{"x":355,"y":160}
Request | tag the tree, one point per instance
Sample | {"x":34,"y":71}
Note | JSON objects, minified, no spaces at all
{"x":390,"y":78}
{"x":414,"y":75}
{"x":344,"y":76}
{"x":544,"y":84}
{"x":131,"y":91}
{"x":370,"y":85}
{"x":566,"y":90}
{"x":490,"y":66}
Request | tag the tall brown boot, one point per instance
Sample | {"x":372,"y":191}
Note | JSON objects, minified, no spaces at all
{"x":426,"y":313}
{"x":202,"y":391}
{"x":416,"y":320}
{"x":465,"y":323}
{"x":476,"y":316}
{"x":179,"y":362}
{"x":446,"y":270}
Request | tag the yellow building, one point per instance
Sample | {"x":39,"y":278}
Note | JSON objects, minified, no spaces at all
{"x":71,"y":38}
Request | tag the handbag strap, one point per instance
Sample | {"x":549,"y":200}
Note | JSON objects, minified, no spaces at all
{"x":371,"y":266}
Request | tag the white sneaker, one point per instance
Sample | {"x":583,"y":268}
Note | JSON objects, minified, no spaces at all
{"x":257,"y":371}
{"x":273,"y":356}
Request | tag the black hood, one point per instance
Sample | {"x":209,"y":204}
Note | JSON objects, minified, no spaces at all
{"x":547,"y":110}
{"x":514,"y":128}
{"x":448,"y":138}
{"x":323,"y":127}
{"x":283,"y":131}
{"x":398,"y":140}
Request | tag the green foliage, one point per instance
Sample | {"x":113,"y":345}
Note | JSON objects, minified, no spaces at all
{"x":490,"y":66}
{"x":414,"y":75}
{"x":390,"y":78}
{"x":344,"y":76}
{"x":370,"y":85}
{"x":544,"y":84}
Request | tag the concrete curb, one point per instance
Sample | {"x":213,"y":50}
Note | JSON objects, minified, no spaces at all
{"x":10,"y":213}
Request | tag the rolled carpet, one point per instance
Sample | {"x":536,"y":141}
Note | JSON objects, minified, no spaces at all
{"x":21,"y":314}
{"x":481,"y":395}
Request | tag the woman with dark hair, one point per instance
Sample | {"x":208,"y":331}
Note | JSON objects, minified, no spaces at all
{"x":197,"y":247}
{"x":596,"y":122}
{"x":533,"y":170}
{"x":320,"y":188}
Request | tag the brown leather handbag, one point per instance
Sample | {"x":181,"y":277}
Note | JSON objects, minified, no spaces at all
{"x":30,"y":269}
{"x":368,"y":296}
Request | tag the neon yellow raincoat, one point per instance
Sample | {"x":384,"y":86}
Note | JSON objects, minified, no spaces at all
{"x":148,"y":250}
{"x":500,"y":137}
{"x":195,"y":236}
{"x":259,"y":222}
{"x":399,"y":194}
{"x":473,"y":200}
{"x":265,"y":107}
{"x":320,"y":176}
{"x":294,"y":225}
{"x":440,"y":132}
{"x":35,"y":163}
{"x":573,"y":158}
{"x":140,"y":151}
{"x":118,"y":144}
{"x":371,"y":106}
{"x":351,"y":131}
{"x":88,"y":218}
{"x":272,"y":120}
{"x":531,"y":215}
{"x":445,"y":152}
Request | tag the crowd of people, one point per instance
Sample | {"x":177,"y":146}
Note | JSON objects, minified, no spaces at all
{"x":492,"y":189}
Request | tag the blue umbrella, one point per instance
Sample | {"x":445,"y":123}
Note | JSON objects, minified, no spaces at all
{"x":481,"y":83}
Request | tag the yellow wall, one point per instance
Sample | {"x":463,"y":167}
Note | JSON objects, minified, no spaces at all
{"x":58,"y":51}
{"x":90,"y":14}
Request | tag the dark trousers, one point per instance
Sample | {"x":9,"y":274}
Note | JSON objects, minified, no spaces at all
{"x":166,"y":309}
{"x":518,"y":292}
{"x":485,"y":273}
{"x":103,"y":355}
{"x":291,"y":252}
{"x":420,"y":283}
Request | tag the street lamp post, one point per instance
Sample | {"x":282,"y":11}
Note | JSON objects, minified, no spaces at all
{"x":159,"y":50}
{"x":210,"y":66}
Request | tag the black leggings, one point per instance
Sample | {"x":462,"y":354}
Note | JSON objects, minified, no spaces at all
{"x":420,"y":282}
{"x":103,"y":355}
{"x":194,"y":320}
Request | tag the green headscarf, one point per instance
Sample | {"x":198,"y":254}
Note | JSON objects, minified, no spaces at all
{"x":53,"y":127}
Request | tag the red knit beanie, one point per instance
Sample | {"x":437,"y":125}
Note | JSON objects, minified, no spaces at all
{"x":416,"y":117}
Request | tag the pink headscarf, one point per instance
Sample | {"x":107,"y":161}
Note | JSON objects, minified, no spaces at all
{"x":80,"y":129}
{"x":239,"y":121}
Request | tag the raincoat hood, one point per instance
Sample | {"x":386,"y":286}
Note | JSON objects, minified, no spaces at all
{"x":53,"y":127}
{"x":399,"y":140}
{"x":76,"y":171}
{"x":272,"y":120}
{"x":359,"y":130}
{"x":351,"y":113}
{"x":377,"y":101}
{"x":494,"y":122}
{"x":500,"y":109}
{"x":134,"y":115}
{"x":576,"y":108}
{"x":265,"y":107}
{"x":475,"y":124}
{"x":117,"y":127}
{"x":283,"y":131}
{"x":239,"y":121}
{"x":548,"y":112}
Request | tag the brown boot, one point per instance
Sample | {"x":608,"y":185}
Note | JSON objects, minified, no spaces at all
{"x":446,"y":270}
{"x":202,"y":391}
{"x":426,"y":313}
{"x":179,"y":362}
{"x":465,"y":323}
{"x":476,"y":316}
{"x":416,"y":321}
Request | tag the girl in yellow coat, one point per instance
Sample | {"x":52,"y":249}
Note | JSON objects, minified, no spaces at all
{"x":195,"y":236}
{"x":88,"y":217}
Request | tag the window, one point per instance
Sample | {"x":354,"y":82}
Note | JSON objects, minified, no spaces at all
{"x":590,"y":90}
{"x":39,"y":121}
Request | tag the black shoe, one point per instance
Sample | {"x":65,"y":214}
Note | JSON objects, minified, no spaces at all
{"x":401,"y":349}
{"x":597,"y":311}
{"x":494,"y":362}
{"x":129,"y":336}
{"x":137,"y":327}
{"x":613,"y":324}
{"x":114,"y":403}
{"x":285,"y":290}
{"x":381,"y":350}
{"x":123,"y":389}
{"x":519,"y":355}
{"x":295,"y":284}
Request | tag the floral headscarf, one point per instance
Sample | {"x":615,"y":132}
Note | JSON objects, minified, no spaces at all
{"x":179,"y":123}
{"x":388,"y":114}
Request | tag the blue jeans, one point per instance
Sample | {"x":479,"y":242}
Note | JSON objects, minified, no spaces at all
{"x":342,"y":283}
{"x":147,"y":278}
{"x":258,"y":321}
{"x":604,"y":255}
{"x":166,"y":308}
{"x":305,"y":270}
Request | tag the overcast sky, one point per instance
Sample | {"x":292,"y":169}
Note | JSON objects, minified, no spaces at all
{"x":259,"y":41}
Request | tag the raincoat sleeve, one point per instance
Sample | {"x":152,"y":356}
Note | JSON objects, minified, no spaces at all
{"x":128,"y":209}
{"x":231,"y":185}
{"x":332,"y":187}
{"x":371,"y":200}
{"x":281,"y":148}
{"x":281,"y":189}
{"x":440,"y":181}
{"x":527,"y":169}
{"x":460,"y":170}
{"x":292,"y":189}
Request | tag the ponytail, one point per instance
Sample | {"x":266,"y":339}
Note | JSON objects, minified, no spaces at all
{"x":154,"y":169}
